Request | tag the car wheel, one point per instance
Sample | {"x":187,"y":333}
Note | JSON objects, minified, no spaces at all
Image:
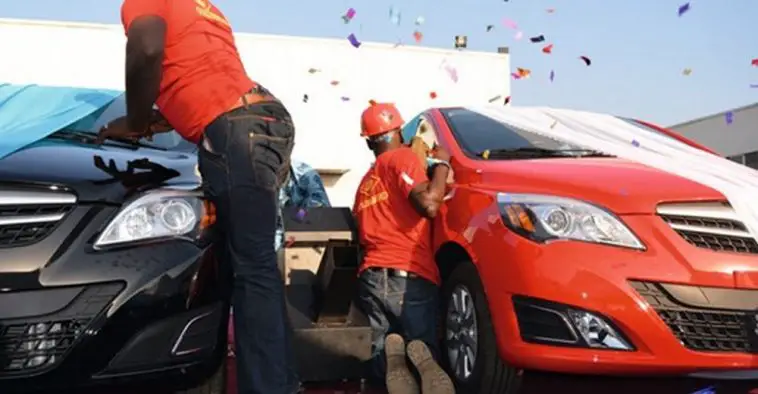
{"x":469,"y":349}
{"x":216,"y":384}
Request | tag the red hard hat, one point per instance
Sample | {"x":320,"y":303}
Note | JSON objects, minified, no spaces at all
{"x":380,"y":118}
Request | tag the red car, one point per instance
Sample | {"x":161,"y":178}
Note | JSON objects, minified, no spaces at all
{"x":569,"y":260}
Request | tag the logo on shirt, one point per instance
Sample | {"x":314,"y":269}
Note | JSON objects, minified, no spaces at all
{"x":206,"y":10}
{"x":387,"y":117}
{"x":370,"y":192}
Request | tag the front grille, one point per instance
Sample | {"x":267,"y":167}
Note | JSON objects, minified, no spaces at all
{"x":699,"y":329}
{"x":33,"y":345}
{"x":26,"y":217}
{"x":711,"y":226}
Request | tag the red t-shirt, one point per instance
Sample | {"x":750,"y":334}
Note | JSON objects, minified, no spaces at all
{"x":203,"y":75}
{"x":392,"y":233}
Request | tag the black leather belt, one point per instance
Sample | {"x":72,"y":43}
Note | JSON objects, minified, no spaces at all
{"x":395,"y":272}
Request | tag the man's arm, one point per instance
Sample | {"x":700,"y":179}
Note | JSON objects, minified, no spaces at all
{"x":146,"y":35}
{"x":425,"y":196}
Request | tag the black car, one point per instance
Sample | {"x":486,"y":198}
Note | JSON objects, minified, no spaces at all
{"x":107,"y":270}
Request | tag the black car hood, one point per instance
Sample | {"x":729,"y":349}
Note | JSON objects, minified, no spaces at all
{"x":105,"y":173}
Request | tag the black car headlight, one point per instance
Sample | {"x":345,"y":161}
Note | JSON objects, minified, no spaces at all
{"x":159,"y":214}
{"x":544,"y":218}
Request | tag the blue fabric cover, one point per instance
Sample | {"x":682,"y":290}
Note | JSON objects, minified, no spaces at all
{"x":304,"y":189}
{"x":29,"y":113}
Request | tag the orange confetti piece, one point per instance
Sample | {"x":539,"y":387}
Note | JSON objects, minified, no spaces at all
{"x":372,"y":102}
{"x":433,"y":95}
{"x":523,"y":72}
{"x":418,"y":36}
{"x":548,"y":49}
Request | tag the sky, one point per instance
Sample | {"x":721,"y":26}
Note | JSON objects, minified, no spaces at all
{"x":638,"y":49}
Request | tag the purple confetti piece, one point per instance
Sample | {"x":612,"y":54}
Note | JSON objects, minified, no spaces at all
{"x":729,"y":117}
{"x":552,"y":75}
{"x":635,"y":144}
{"x":684,"y":8}
{"x":754,"y":86}
{"x":300,"y":214}
{"x":350,"y":14}
{"x":354,"y":41}
{"x":515,"y":76}
{"x":452,"y":72}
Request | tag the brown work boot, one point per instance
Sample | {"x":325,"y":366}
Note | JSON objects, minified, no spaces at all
{"x":399,"y":378}
{"x":434,"y":380}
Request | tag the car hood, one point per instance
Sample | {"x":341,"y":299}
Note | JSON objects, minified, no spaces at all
{"x":623,"y":186}
{"x":105,"y":173}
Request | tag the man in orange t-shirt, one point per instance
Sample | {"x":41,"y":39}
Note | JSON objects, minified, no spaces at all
{"x":399,"y":279}
{"x":181,"y":56}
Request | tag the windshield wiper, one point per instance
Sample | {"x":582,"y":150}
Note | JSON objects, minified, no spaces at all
{"x":532,"y":152}
{"x":89,"y":138}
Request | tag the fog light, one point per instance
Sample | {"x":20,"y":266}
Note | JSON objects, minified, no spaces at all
{"x":597,"y":333}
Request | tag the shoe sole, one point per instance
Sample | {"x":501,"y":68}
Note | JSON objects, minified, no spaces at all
{"x":399,"y":378}
{"x":434,"y":380}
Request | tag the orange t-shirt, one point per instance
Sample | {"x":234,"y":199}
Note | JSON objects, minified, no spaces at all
{"x":203,"y":75}
{"x":392,"y":233}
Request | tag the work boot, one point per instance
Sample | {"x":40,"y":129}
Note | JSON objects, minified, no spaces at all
{"x":434,"y":380}
{"x":399,"y":378}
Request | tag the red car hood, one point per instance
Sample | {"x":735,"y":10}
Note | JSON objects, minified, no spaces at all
{"x":622,"y":186}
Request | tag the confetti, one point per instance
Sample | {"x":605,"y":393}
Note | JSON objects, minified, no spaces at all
{"x":432,"y":95}
{"x":510,"y":24}
{"x":550,"y":10}
{"x":686,"y":72}
{"x":395,"y":16}
{"x":515,"y":76}
{"x":555,"y":123}
{"x":490,"y":27}
{"x":586,"y":60}
{"x":334,"y":83}
{"x":684,"y":8}
{"x":754,"y":62}
{"x":289,"y":242}
{"x":523,"y":72}
{"x":552,"y":75}
{"x":461,"y":42}
{"x":420,"y":21}
{"x":300,"y":215}
{"x":313,"y":70}
{"x":519,"y":35}
{"x":507,"y":100}
{"x":372,"y":102}
{"x":754,"y":86}
{"x":536,"y":39}
{"x":354,"y":41}
{"x":548,"y":49}
{"x":452,"y":72}
{"x":492,"y":100}
{"x":729,"y":117}
{"x":305,"y":98}
{"x":418,"y":36}
{"x":486,"y":154}
{"x":635,"y":144}
{"x":345,"y":98}
{"x":349,"y":15}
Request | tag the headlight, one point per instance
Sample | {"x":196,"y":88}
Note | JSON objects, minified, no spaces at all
{"x":159,"y":214}
{"x":543,"y":218}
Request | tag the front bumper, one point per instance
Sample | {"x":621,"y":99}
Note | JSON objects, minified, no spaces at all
{"x":664,"y":300}
{"x":142,"y":314}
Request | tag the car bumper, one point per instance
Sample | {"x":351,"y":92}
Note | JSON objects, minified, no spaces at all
{"x":142,"y":314}
{"x":681,"y":317}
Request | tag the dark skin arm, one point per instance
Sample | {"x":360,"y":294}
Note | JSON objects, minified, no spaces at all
{"x":427,"y":198}
{"x":144,"y":54}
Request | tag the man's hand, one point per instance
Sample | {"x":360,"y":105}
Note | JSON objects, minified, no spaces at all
{"x":118,"y":129}
{"x":441,"y":154}
{"x":159,"y":124}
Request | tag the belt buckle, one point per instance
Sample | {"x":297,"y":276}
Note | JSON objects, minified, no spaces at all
{"x":401,"y":273}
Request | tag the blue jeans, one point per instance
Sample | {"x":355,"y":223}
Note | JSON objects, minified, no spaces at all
{"x":406,"y":306}
{"x":243,"y":163}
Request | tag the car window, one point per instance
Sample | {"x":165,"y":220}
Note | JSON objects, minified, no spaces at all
{"x":476,"y":133}
{"x":93,"y":123}
{"x":409,"y":130}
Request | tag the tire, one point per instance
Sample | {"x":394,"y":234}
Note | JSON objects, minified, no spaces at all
{"x":216,"y":384}
{"x":489,"y":374}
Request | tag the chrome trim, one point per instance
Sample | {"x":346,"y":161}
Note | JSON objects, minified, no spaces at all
{"x":184,"y":331}
{"x":744,"y":374}
{"x":565,"y":321}
{"x":14,"y":220}
{"x":710,"y":210}
{"x":23,"y":197}
{"x":710,"y":230}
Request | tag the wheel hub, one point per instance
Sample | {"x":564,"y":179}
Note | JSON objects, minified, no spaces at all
{"x":461,"y":333}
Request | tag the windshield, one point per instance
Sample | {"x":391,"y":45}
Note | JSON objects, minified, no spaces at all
{"x":93,"y":123}
{"x":477,"y":133}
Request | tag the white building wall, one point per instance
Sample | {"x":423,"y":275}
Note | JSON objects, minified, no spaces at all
{"x":737,"y":138}
{"x":92,"y":55}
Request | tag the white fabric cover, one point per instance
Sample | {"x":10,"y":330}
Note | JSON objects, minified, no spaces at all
{"x":611,"y":135}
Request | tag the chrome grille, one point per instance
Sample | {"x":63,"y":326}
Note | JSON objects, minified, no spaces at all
{"x":709,"y":225}
{"x":28,"y":216}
